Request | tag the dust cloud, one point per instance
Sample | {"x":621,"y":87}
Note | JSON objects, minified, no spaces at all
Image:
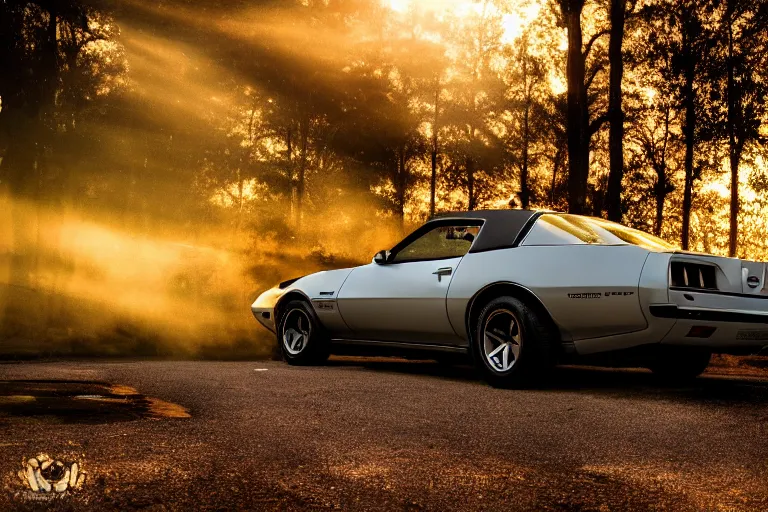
{"x":86,"y":288}
{"x":183,"y":162}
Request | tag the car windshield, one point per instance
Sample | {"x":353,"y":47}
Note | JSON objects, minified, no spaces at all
{"x":564,"y":229}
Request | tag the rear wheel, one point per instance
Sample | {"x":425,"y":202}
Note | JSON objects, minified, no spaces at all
{"x":513,"y":344}
{"x":679,"y":364}
{"x":301,"y":338}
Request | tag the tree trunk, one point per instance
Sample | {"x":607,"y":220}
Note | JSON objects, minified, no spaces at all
{"x":289,"y":164}
{"x":17,"y":174}
{"x":578,"y":114}
{"x":300,"y":184}
{"x":690,"y":133}
{"x":400,"y":183}
{"x":23,"y":117}
{"x":433,"y":177}
{"x":18,"y":171}
{"x":734,"y":152}
{"x":657,"y":226}
{"x":555,"y":170}
{"x":660,"y":191}
{"x":50,"y":80}
{"x":735,"y":156}
{"x":615,"y":111}
{"x":525,"y":194}
{"x":240,"y":188}
{"x":470,"y":184}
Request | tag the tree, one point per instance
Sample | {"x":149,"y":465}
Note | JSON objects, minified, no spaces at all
{"x":476,"y":90}
{"x":679,"y":28}
{"x":524,"y":78}
{"x":618,"y":17}
{"x":48,"y":74}
{"x":580,"y":128}
{"x":743,"y":54}
{"x":381,"y":132}
{"x":655,"y":141}
{"x":435,"y":147}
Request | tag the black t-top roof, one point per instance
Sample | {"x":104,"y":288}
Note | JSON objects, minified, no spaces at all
{"x":501,"y":228}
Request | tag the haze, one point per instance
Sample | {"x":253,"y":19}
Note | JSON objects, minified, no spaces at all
{"x":163,"y":162}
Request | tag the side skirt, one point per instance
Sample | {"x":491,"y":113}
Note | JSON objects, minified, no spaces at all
{"x":389,"y":348}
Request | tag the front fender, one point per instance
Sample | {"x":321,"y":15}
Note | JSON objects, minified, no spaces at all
{"x":263,"y":308}
{"x":319,"y":289}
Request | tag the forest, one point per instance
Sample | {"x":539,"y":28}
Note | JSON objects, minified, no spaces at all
{"x":161,"y":162}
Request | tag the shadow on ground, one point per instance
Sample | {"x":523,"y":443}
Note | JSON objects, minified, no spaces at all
{"x":618,"y":382}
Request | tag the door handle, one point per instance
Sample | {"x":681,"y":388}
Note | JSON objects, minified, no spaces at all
{"x":444,"y":271}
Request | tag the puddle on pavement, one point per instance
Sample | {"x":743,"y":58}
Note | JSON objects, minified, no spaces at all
{"x":80,"y":402}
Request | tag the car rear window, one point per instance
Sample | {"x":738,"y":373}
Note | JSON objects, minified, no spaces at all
{"x":565,"y":229}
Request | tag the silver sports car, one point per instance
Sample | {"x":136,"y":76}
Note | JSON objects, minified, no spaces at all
{"x":520,"y":290}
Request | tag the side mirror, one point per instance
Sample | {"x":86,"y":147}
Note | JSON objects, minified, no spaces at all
{"x":381,"y":257}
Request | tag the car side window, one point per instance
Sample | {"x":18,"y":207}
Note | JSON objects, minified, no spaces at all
{"x":439,"y":243}
{"x":564,"y":229}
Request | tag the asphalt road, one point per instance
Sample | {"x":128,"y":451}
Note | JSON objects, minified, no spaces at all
{"x":380,"y":435}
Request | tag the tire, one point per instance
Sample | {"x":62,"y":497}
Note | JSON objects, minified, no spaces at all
{"x":301,"y":338}
{"x":673,"y":364}
{"x":529,"y":343}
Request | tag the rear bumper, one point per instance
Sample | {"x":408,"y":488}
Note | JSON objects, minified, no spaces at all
{"x":714,"y":328}
{"x":709,"y":315}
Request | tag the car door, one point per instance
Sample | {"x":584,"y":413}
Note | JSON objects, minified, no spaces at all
{"x":403,"y":298}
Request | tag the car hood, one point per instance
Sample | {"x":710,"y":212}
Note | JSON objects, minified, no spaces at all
{"x":320,"y":285}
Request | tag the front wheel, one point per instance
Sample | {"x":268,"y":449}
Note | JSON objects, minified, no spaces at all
{"x":513,"y":344}
{"x":679,"y":364}
{"x":301,"y":338}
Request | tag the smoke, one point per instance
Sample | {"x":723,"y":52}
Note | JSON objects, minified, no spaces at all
{"x":82,"y":287}
{"x":115,"y":245}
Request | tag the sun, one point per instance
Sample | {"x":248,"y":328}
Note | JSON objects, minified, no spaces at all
{"x":399,"y":5}
{"x":513,"y":23}
{"x":457,"y":7}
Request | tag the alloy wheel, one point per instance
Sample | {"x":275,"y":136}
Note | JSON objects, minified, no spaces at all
{"x":502,"y":340}
{"x":296,"y":331}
